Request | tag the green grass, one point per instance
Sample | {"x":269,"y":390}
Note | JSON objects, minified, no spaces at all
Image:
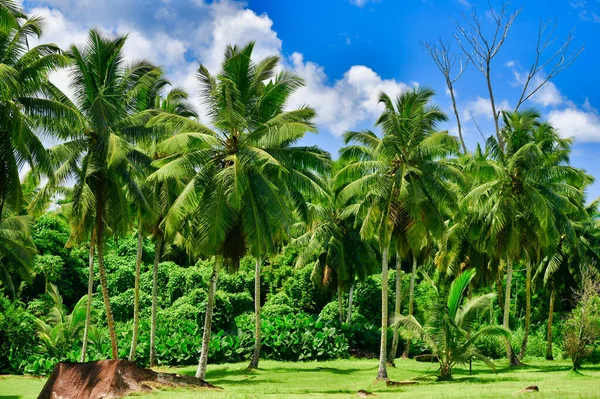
{"x":342,"y":378}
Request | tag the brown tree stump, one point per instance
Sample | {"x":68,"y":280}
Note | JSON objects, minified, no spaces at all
{"x":109,"y":379}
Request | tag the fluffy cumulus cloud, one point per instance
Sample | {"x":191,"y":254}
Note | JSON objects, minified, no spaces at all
{"x":349,"y":102}
{"x":182,"y":33}
{"x":583,"y":124}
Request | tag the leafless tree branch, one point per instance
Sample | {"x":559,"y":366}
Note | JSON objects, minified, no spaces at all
{"x":445,"y":61}
{"x":549,"y":67}
{"x":481,"y":48}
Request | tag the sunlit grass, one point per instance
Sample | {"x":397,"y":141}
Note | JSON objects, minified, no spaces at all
{"x":343,"y":378}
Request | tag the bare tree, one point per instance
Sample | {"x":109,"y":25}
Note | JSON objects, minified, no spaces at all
{"x":445,"y":60}
{"x":548,"y":67}
{"x":481,"y":49}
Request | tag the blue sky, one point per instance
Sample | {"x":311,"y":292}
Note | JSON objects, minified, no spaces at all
{"x":348,"y":51}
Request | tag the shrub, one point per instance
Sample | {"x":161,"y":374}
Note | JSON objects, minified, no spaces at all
{"x":18,"y":339}
{"x":582,"y":327}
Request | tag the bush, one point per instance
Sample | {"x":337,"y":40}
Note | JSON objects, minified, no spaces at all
{"x":301,"y":337}
{"x":581,"y":330}
{"x":18,"y":339}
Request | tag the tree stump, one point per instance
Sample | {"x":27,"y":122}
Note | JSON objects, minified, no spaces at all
{"x":108,"y":379}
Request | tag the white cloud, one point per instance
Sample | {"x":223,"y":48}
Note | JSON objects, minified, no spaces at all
{"x":349,"y":102}
{"x":359,"y":3}
{"x":547,"y":96}
{"x":482,"y":107}
{"x":583,"y":125}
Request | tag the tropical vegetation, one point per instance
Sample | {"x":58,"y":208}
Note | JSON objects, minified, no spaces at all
{"x":174,"y":236}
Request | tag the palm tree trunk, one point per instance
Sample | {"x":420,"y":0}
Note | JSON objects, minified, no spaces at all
{"x":157,"y":256}
{"x":527,"y":310}
{"x":136,"y":292}
{"x":514,"y":361}
{"x":397,"y":304}
{"x":256,"y":354}
{"x":410,"y":301}
{"x":460,"y":135}
{"x":340,"y":303}
{"x":103,"y":283}
{"x":350,"y":298}
{"x":549,"y":355}
{"x":88,"y":308}
{"x":212,"y":288}
{"x":382,"y":372}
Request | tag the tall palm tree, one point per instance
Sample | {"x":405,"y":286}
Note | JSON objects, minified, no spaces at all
{"x":23,"y":73}
{"x":342,"y":257}
{"x":249,"y":180}
{"x":522,"y":195}
{"x":401,"y":180}
{"x":159,"y":194}
{"x":95,"y":153}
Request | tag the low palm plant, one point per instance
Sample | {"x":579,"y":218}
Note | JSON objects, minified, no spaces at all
{"x":59,"y":330}
{"x":448,"y":331}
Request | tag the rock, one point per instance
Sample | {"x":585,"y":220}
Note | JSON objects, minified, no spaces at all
{"x":108,"y":379}
{"x":364,"y":394}
{"x":391,"y":384}
{"x":531,"y":388}
{"x":427,"y":358}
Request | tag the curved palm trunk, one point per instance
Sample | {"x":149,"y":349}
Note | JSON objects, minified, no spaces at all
{"x":212,"y":287}
{"x":527,"y":310}
{"x":350,"y":298}
{"x":340,"y":303}
{"x":514,"y":361}
{"x":136,"y":291}
{"x":103,"y":283}
{"x":157,"y":255}
{"x":382,"y":372}
{"x":413,"y":275}
{"x":397,"y":304}
{"x":256,"y":354}
{"x":88,"y":307}
{"x":549,"y":355}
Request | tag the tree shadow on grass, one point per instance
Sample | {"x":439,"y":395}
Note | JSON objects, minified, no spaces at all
{"x":226,"y":381}
{"x":219,"y":373}
{"x":10,"y":397}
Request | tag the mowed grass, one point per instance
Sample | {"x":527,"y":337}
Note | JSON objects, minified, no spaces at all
{"x":343,"y":378}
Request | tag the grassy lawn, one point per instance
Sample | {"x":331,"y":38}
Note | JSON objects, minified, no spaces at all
{"x":342,"y":378}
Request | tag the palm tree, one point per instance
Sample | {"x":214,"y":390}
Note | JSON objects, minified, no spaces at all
{"x":95,"y":154}
{"x":521,"y":195}
{"x":448,"y":331}
{"x":342,"y":257}
{"x":59,"y":330}
{"x":401,"y":180}
{"x":17,"y":250}
{"x":23,"y":72}
{"x":249,"y":180}
{"x":160,"y":194}
{"x":578,"y":246}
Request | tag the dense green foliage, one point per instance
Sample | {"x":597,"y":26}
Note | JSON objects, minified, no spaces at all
{"x":147,"y":233}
